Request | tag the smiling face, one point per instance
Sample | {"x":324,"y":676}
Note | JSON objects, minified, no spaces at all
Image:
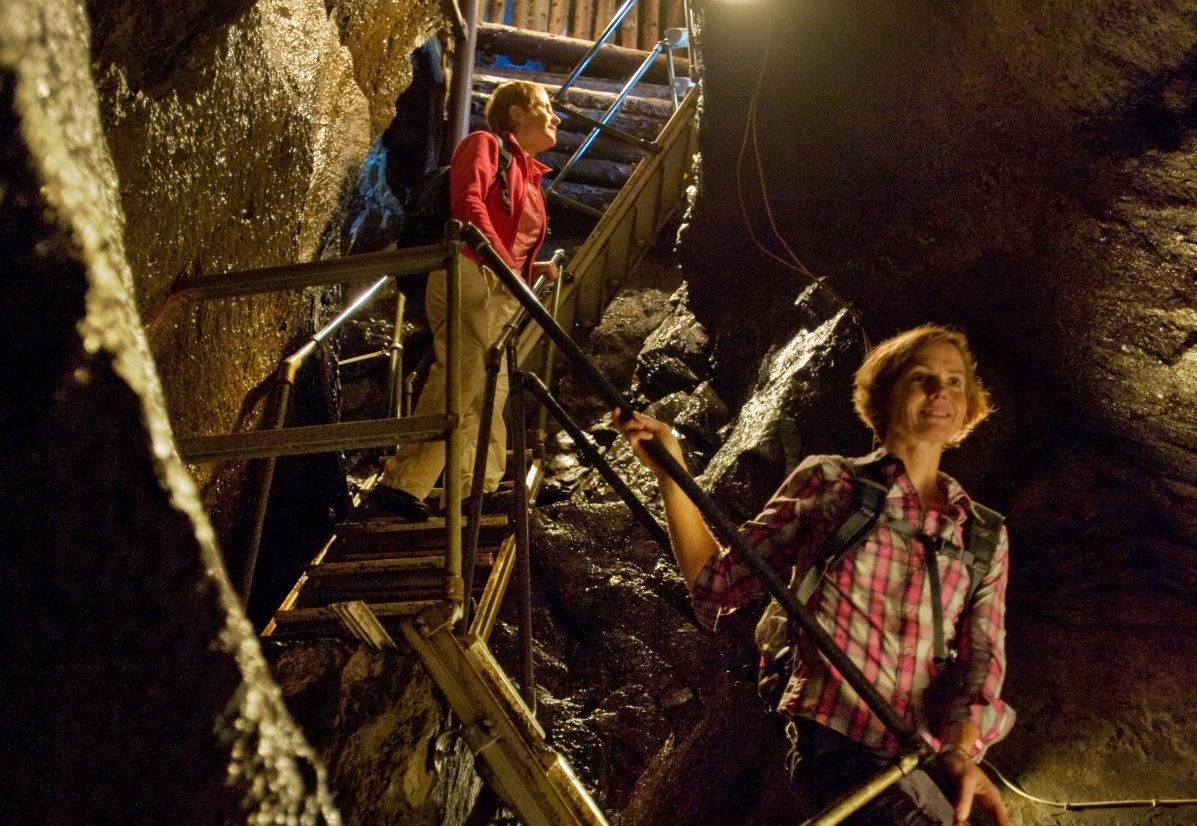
{"x":535,"y":125}
{"x":928,"y":402}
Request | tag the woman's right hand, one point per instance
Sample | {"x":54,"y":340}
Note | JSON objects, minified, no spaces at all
{"x":639,"y":429}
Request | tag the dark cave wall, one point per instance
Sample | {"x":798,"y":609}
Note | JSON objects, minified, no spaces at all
{"x":1024,"y":172}
{"x":134,"y":690}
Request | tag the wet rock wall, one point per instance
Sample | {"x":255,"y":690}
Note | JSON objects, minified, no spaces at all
{"x":134,"y":689}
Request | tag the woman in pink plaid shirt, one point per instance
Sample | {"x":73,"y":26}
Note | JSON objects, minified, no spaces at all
{"x":918,"y":392}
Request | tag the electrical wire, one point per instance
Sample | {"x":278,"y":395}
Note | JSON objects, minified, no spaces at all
{"x":793,"y":262}
{"x":1153,"y":802}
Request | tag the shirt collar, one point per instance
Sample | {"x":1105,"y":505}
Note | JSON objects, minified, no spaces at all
{"x":957,"y":496}
{"x":518,"y":151}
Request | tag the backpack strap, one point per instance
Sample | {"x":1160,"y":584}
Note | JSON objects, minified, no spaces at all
{"x":982,"y":532}
{"x":505,"y":159}
{"x":871,"y":491}
{"x":982,"y":535}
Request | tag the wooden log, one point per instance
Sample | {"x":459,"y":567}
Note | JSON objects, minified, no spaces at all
{"x":540,"y":16}
{"x":613,"y":62}
{"x":638,"y":125}
{"x":629,"y":32}
{"x":559,"y":17}
{"x":588,"y":170}
{"x":595,"y":99}
{"x":650,"y":25}
{"x":592,"y":196}
{"x":604,"y":10}
{"x":552,"y":82}
{"x":495,"y":10}
{"x":583,"y":23}
{"x":521,"y":15}
{"x":675,"y":14}
{"x":603,"y":148}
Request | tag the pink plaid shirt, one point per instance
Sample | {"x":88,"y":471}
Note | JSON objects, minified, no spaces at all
{"x":876,"y":605}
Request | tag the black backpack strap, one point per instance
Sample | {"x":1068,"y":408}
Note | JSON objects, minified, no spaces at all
{"x":982,"y":532}
{"x":505,"y":159}
{"x":982,"y":535}
{"x":871,"y":491}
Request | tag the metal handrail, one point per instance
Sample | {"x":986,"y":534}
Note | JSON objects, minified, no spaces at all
{"x":917,"y":747}
{"x":281,"y":440}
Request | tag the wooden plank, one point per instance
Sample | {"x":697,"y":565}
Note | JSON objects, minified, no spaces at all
{"x":583,"y":23}
{"x":600,"y":100}
{"x":650,"y":24}
{"x":675,"y":17}
{"x":521,"y":16}
{"x":629,"y":30}
{"x":369,"y":567}
{"x":559,"y":17}
{"x":538,"y":18}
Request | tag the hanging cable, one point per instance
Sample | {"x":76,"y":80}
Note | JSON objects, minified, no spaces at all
{"x":793,"y":262}
{"x":1152,"y":803}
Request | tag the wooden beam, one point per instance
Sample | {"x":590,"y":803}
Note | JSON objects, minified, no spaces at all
{"x":613,"y":62}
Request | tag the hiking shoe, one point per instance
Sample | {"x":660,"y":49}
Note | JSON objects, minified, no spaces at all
{"x":501,"y":501}
{"x":384,"y":500}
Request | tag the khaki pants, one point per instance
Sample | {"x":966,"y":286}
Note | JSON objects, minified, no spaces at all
{"x":485,"y":308}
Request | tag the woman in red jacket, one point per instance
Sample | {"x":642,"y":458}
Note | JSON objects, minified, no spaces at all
{"x":514,"y":220}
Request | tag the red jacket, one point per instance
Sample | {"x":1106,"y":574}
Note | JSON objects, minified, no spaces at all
{"x":476,"y":194}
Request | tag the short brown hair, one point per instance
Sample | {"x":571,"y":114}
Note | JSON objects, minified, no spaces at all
{"x":886,"y":362}
{"x":506,"y":95}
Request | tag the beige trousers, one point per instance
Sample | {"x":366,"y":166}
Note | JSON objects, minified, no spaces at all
{"x":485,"y":308}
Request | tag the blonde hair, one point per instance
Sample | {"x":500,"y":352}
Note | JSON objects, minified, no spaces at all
{"x":888,"y":360}
{"x":512,"y":93}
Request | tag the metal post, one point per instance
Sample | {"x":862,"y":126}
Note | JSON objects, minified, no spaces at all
{"x":287,"y":370}
{"x":463,"y":76}
{"x":453,"y":581}
{"x":395,"y":360}
{"x":523,"y":550}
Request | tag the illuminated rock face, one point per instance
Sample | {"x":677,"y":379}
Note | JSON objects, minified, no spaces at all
{"x":1026,"y":172}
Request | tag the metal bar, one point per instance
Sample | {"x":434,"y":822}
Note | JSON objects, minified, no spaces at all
{"x":843,"y":808}
{"x":723,"y":527}
{"x":610,"y":113}
{"x":348,"y":270}
{"x":546,"y":370}
{"x":265,"y":483}
{"x":474,"y":517}
{"x":537,"y":388}
{"x":523,"y":551}
{"x":493,"y":361}
{"x":620,"y":14}
{"x":454,"y":587}
{"x":395,"y":358}
{"x":321,"y":438}
{"x":463,"y":77}
{"x":607,"y":129}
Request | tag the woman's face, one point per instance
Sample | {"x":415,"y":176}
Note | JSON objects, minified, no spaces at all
{"x":928,"y":401}
{"x":535,"y":124}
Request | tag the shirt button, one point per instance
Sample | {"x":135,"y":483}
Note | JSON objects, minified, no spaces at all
{"x":910,"y":608}
{"x":908,"y":651}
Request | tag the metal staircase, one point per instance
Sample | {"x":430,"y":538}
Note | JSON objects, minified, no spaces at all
{"x":381,"y":581}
